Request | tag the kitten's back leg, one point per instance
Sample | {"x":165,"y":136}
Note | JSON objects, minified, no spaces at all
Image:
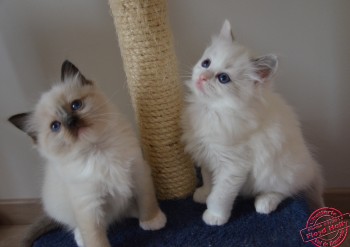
{"x":150,"y":215}
{"x":265,"y":203}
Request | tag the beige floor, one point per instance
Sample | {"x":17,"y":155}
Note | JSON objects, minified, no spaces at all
{"x":10,"y":235}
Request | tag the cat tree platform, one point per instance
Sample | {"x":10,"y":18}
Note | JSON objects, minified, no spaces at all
{"x":186,"y":228}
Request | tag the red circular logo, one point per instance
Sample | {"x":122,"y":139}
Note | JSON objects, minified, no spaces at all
{"x":326,"y":227}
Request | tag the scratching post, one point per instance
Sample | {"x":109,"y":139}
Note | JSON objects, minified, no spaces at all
{"x":149,"y":59}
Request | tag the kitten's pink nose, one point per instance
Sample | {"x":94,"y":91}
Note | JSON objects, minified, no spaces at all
{"x":203,"y":77}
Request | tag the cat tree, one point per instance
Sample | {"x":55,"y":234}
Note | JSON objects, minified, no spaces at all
{"x":149,"y":59}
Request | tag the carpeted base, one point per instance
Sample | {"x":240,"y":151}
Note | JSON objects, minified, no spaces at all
{"x":186,"y":228}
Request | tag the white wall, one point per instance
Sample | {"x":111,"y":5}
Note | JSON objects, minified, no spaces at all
{"x":311,"y":38}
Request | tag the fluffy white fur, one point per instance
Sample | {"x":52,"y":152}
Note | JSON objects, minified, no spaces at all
{"x":95,"y":172}
{"x":243,"y":135}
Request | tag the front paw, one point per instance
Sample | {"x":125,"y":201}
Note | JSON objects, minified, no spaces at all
{"x":156,"y":223}
{"x":214,"y":219}
{"x":78,"y":238}
{"x":267,"y":203}
{"x":201,"y":195}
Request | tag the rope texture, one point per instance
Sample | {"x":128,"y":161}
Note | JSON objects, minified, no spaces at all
{"x":150,"y":65}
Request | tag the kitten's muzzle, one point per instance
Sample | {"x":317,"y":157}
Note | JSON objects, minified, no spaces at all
{"x":203,"y":78}
{"x":74,"y":125}
{"x":72,"y":121}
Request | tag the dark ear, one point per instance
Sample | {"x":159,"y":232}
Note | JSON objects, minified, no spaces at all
{"x":21,"y":122}
{"x":264,"y":67}
{"x":69,"y":70}
{"x":226,"y":32}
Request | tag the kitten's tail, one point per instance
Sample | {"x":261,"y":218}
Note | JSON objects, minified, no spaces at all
{"x":42,"y":225}
{"x":314,"y":194}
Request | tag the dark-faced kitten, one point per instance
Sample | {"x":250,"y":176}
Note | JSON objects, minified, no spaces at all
{"x":95,"y":172}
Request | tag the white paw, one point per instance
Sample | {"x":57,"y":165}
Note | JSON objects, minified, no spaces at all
{"x":78,"y":238}
{"x":201,"y":195}
{"x":156,"y":223}
{"x":265,"y":204}
{"x":213,"y":219}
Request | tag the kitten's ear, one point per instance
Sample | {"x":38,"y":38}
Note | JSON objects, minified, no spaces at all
{"x":69,"y":70}
{"x":21,"y":122}
{"x":226,"y":32}
{"x":264,"y":67}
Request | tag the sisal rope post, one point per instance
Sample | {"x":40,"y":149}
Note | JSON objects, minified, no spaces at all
{"x":150,"y":65}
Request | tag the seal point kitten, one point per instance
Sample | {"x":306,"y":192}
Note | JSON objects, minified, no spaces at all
{"x":242,"y":134}
{"x":95,"y":172}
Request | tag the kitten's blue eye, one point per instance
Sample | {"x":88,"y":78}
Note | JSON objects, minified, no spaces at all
{"x":55,"y":126}
{"x":76,"y":105}
{"x":224,"y":78}
{"x":206,"y":63}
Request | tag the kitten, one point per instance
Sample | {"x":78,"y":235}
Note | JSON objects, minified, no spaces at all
{"x":242,"y":134}
{"x":95,"y":171}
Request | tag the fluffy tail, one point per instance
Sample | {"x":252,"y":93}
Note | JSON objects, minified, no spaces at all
{"x":314,"y":194}
{"x":41,"y":226}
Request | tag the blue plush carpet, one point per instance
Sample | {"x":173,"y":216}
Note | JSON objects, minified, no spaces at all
{"x":186,"y":228}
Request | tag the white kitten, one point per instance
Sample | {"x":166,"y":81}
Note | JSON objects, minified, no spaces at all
{"x":242,"y":134}
{"x":95,"y":171}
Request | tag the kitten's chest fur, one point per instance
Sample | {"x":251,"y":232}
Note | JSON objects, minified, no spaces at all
{"x":100,"y":172}
{"x":253,"y":135}
{"x":103,"y":166}
{"x":219,"y":124}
